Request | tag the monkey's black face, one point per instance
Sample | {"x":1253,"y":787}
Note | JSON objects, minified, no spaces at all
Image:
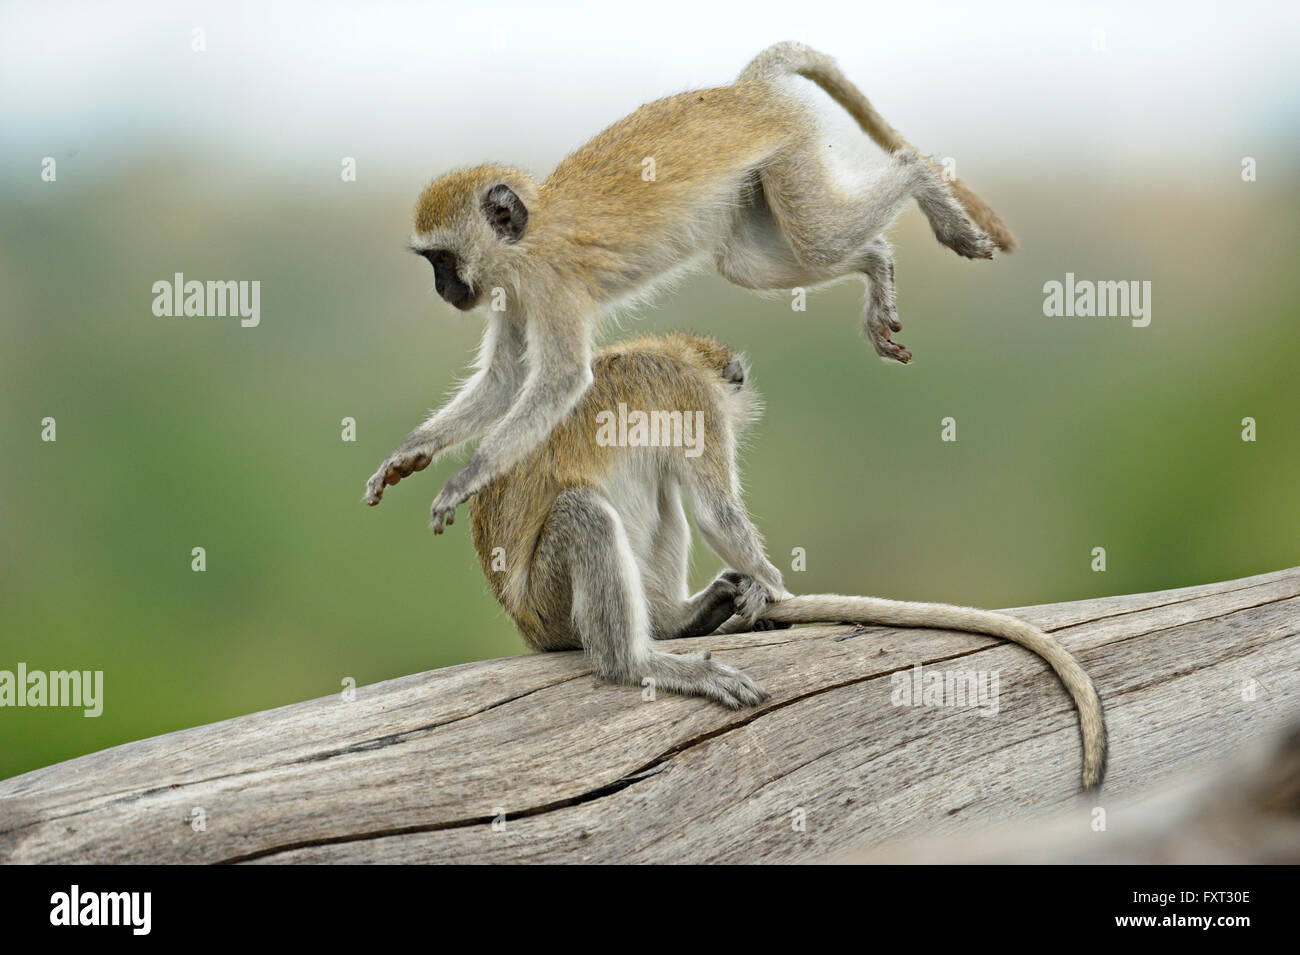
{"x":446,"y":279}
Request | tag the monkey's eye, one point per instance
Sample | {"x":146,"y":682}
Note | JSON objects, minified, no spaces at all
{"x":442,"y":259}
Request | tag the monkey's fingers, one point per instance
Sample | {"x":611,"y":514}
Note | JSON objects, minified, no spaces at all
{"x":897,"y":351}
{"x":405,"y":467}
{"x":441,"y":516}
{"x":880,"y":322}
{"x":889,"y":349}
{"x":390,"y":473}
{"x":751,"y":601}
{"x":374,"y":490}
{"x":731,"y":687}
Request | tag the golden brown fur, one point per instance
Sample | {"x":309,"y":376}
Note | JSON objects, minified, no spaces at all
{"x":509,"y":512}
{"x":736,"y":174}
{"x":595,"y":548}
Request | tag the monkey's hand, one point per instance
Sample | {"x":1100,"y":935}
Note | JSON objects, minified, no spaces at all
{"x":443,"y":511}
{"x":400,"y":464}
{"x":753,"y":598}
{"x":453,"y":494}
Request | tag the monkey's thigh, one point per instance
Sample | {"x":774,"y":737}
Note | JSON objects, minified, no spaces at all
{"x":584,"y":585}
{"x":827,"y":223}
{"x":756,"y":254}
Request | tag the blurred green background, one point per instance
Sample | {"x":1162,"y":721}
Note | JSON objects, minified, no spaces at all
{"x":1073,"y":433}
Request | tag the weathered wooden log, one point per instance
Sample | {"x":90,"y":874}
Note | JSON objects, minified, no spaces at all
{"x":529,"y":759}
{"x":1243,"y":809}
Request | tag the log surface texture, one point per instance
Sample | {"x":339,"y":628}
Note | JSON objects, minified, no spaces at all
{"x":424,"y":768}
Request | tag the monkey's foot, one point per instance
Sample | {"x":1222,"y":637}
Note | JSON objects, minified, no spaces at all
{"x":973,"y":244}
{"x":947,"y":218}
{"x":395,"y":467}
{"x":882,"y":320}
{"x":698,"y":674}
{"x":891,"y":350}
{"x":731,"y":687}
{"x":954,"y":229}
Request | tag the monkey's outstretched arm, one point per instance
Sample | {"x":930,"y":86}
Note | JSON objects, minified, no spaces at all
{"x":559,"y":372}
{"x":820,"y":608}
{"x":481,"y":401}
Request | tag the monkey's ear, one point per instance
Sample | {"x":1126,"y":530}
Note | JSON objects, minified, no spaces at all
{"x":506,"y":213}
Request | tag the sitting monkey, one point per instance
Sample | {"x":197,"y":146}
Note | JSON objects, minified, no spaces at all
{"x":594,"y":540}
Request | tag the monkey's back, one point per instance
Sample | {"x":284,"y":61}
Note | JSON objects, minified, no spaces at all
{"x":606,"y":202}
{"x":670,"y":373}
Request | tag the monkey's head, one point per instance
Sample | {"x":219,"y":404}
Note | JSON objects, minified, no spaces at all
{"x":469,"y":225}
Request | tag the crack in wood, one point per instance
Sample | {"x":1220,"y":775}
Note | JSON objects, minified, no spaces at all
{"x":600,"y":792}
{"x":127,"y":796}
{"x":378,"y":795}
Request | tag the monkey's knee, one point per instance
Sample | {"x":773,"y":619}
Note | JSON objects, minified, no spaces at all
{"x":608,"y":610}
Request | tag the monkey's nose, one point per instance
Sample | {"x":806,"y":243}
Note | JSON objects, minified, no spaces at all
{"x":464,"y":298}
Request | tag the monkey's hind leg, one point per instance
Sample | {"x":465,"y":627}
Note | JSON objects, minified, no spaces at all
{"x":880,"y":317}
{"x":609,"y":613}
{"x":837,"y":233}
{"x":948,"y":220}
{"x":827,"y":226}
{"x":749,"y":264}
{"x":797,"y":228}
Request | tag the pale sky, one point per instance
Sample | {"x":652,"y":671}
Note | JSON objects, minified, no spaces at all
{"x":431,"y":85}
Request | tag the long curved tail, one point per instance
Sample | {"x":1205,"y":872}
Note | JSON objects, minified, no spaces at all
{"x":820,"y":608}
{"x":785,"y":59}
